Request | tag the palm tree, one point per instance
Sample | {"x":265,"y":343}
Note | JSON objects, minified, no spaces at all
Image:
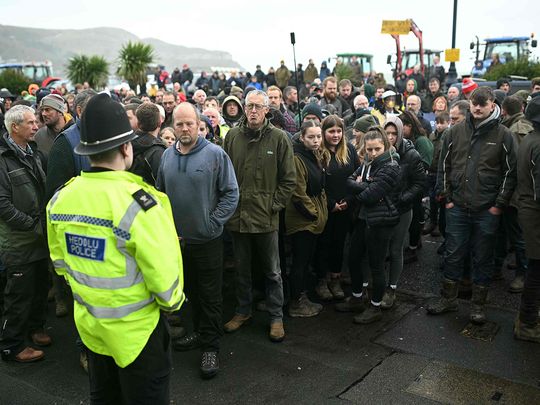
{"x":93,"y":69}
{"x":133,"y":59}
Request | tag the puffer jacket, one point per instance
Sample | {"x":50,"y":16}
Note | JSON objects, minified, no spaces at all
{"x":412,"y":178}
{"x":264,"y":166}
{"x":22,"y":206}
{"x":477,"y":168}
{"x":374,"y":192}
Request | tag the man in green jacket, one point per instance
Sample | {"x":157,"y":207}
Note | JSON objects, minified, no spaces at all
{"x":262,"y":157}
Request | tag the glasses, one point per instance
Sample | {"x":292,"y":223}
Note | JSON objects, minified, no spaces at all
{"x":258,"y":107}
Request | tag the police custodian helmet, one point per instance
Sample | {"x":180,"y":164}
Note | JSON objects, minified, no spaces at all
{"x":104,"y":126}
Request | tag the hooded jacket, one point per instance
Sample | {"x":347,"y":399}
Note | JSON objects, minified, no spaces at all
{"x":412,"y":178}
{"x":477,"y":168}
{"x":202,"y":188}
{"x":147,"y":151}
{"x":230,"y":120}
{"x":518,"y":125}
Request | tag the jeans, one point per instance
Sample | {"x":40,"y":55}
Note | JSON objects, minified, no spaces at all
{"x":510,"y":230}
{"x":397,"y":243}
{"x":265,"y":247}
{"x":145,"y":381}
{"x":329,"y":253}
{"x":470,"y":233}
{"x":203,"y":280}
{"x":371,"y":242}
{"x":528,"y":311}
{"x":303,"y":247}
{"x":25,"y":304}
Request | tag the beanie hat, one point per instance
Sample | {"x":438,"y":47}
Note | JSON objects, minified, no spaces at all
{"x":499,"y":96}
{"x":363,"y":123}
{"x":468,"y":85}
{"x":532,"y":112}
{"x":53,"y":101}
{"x":312,"y":109}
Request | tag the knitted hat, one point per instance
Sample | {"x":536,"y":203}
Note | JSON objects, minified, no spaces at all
{"x":104,"y":126}
{"x":363,"y":123}
{"x":532,"y":113}
{"x":468,"y":85}
{"x":53,"y":101}
{"x":312,"y":109}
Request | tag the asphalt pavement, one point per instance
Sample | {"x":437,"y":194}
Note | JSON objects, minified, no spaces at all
{"x":407,"y":358}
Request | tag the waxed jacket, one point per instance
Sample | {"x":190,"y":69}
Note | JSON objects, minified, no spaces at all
{"x":22,"y":206}
{"x":477,"y":168}
{"x":264,"y":167}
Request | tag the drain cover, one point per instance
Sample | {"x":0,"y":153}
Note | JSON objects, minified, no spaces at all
{"x":485,"y":332}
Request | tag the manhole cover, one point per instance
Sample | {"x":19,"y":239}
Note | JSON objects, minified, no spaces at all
{"x":485,"y":332}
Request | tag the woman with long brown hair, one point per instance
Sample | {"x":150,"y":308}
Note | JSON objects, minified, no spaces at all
{"x":343,"y":162}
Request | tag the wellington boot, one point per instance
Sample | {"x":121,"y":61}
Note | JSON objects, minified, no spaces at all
{"x":447,"y":301}
{"x":478,"y":302}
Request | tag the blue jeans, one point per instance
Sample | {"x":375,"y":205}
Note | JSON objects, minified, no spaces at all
{"x":470,"y":233}
{"x":264,"y":246}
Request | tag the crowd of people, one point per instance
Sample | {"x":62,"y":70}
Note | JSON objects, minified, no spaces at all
{"x":338,"y":180}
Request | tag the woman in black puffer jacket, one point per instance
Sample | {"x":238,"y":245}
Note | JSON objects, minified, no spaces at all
{"x":373,"y":185}
{"x":410,"y":186}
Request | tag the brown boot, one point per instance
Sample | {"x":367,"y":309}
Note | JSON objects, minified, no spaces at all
{"x":236,"y":322}
{"x":40,"y":338}
{"x":29,"y":355}
{"x":277,"y":333}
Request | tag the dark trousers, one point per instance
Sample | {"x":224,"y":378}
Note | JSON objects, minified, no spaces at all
{"x":434,"y":205}
{"x":145,"y":381}
{"x":329,"y":252}
{"x":469,"y":233}
{"x":528,"y":311}
{"x":372,"y":242}
{"x":303,"y":247}
{"x":25,"y":304}
{"x":510,"y":231}
{"x":417,"y":223}
{"x":203,"y":280}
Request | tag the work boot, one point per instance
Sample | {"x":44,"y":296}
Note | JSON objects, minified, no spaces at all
{"x":522,"y":331}
{"x":40,"y":338}
{"x":188,"y":342}
{"x":236,"y":322}
{"x":351,"y":304}
{"x":277,"y":333}
{"x":517,"y":284}
{"x":389,"y":298}
{"x":304,"y":308}
{"x":478,"y":301}
{"x":335,"y":288}
{"x":61,"y":309}
{"x":322,"y":291}
{"x":371,"y":314}
{"x":447,"y":301}
{"x":209,"y":364}
{"x":430,"y":227}
{"x":29,"y":355}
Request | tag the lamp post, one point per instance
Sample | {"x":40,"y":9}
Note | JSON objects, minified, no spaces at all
{"x":452,"y":72}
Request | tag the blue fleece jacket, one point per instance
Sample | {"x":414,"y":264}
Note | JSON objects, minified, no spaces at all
{"x":202,"y":188}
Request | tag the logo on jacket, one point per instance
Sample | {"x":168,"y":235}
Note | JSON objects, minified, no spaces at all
{"x":85,"y":247}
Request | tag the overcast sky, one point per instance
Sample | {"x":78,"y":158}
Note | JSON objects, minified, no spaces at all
{"x":256,"y":32}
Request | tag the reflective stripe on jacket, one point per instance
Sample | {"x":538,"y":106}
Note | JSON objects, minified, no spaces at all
{"x":113,"y":237}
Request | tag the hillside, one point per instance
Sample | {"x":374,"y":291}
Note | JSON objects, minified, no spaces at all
{"x":20,"y":43}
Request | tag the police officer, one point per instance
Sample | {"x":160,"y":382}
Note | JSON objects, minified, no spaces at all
{"x":113,"y":237}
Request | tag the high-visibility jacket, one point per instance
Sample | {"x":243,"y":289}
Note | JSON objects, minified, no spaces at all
{"x":113,"y":237}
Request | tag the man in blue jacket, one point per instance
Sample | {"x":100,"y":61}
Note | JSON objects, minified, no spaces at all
{"x":199,"y":179}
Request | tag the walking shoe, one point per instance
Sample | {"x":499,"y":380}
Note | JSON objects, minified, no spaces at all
{"x":61,"y":309}
{"x":236,"y":322}
{"x":517,"y":284}
{"x":209,"y":364}
{"x":83,"y":361}
{"x":304,"y":308}
{"x":371,"y":314}
{"x":351,"y":304}
{"x":29,"y":355}
{"x":478,"y":301}
{"x":40,"y":338}
{"x":447,"y":301}
{"x":523,"y":331}
{"x":322,"y":290}
{"x":335,"y":288}
{"x":389,"y":298}
{"x":277,"y":333}
{"x":430,"y":227}
{"x":188,"y":342}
